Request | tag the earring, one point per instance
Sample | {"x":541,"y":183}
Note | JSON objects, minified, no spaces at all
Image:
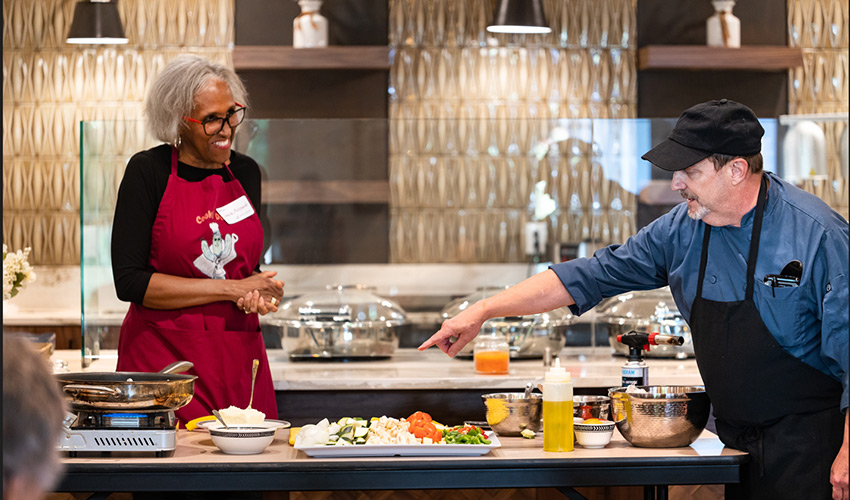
{"x":178,"y":142}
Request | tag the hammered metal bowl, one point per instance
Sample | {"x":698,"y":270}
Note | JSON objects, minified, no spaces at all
{"x":510,"y":413}
{"x":662,"y":417}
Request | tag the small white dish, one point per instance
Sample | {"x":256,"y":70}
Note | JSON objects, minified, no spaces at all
{"x":593,"y":435}
{"x":242,"y":439}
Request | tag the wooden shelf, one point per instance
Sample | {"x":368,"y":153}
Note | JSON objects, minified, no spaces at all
{"x":700,"y":57}
{"x":326,"y":192}
{"x":265,"y":57}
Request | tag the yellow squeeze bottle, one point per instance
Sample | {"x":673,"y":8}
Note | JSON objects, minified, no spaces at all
{"x":557,"y":409}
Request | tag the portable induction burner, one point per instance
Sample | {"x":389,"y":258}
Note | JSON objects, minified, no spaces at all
{"x":117,"y":430}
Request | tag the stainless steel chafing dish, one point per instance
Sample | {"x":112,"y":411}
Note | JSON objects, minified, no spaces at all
{"x":348,"y":322}
{"x":528,"y":336}
{"x":646,"y":311}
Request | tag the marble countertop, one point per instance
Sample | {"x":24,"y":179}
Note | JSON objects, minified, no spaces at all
{"x":411,"y":369}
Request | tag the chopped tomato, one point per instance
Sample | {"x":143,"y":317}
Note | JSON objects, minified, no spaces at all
{"x":422,"y":426}
{"x":419,"y":415}
{"x":422,"y":429}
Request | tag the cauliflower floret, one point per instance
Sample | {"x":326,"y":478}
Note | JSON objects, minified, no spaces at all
{"x":387,"y":430}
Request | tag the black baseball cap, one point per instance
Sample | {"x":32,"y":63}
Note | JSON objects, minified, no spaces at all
{"x":723,"y":127}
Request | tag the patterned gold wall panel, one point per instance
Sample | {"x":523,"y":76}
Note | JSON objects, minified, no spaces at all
{"x":822,"y":85}
{"x":467,"y":110}
{"x":50,"y":86}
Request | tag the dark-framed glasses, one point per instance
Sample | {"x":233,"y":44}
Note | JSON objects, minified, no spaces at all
{"x":215,"y":124}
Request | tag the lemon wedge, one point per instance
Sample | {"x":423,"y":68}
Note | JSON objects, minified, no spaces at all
{"x":193,"y":424}
{"x":438,"y":425}
{"x":497,"y":410}
{"x":293,"y":433}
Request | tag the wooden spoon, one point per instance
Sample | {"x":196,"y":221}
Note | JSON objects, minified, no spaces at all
{"x":254,"y":368}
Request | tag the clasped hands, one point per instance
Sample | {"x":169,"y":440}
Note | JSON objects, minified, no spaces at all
{"x":264,"y":293}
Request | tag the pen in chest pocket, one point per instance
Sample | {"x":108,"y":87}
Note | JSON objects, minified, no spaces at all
{"x":788,"y":277}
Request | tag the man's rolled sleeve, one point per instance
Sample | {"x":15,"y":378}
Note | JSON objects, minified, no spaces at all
{"x":577,"y":276}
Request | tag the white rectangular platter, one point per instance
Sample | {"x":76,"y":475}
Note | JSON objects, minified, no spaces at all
{"x":398,"y":450}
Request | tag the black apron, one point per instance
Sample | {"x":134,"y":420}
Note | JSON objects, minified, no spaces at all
{"x":782,"y":411}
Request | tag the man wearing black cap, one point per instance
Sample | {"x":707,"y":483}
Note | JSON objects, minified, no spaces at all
{"x":759,"y":268}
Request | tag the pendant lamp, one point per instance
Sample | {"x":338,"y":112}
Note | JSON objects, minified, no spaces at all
{"x":96,"y":22}
{"x":519,"y":16}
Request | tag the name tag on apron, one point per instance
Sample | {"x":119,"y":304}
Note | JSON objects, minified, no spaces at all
{"x":237,"y":210}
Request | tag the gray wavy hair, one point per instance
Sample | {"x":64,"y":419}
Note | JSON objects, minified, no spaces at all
{"x":172,"y":94}
{"x":33,"y":410}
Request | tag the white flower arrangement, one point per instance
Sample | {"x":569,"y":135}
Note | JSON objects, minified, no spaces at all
{"x":17,"y":272}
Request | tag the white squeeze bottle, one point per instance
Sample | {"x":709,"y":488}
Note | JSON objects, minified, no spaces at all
{"x":557,"y":409}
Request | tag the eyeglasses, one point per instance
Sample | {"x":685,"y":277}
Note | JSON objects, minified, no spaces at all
{"x":213,"y":124}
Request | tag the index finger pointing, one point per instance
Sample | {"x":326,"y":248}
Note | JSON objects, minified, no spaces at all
{"x":434,"y":339}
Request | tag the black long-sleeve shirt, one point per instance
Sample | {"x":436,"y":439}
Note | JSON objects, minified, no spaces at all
{"x":138,"y":202}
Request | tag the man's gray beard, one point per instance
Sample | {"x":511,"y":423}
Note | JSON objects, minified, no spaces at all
{"x":700,"y":213}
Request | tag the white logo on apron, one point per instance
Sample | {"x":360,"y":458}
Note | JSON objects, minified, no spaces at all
{"x":214,"y":256}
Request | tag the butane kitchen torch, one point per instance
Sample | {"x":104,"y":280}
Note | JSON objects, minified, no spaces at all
{"x":636,"y":371}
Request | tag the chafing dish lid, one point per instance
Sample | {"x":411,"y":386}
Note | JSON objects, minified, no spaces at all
{"x":643,"y":307}
{"x":337,"y":304}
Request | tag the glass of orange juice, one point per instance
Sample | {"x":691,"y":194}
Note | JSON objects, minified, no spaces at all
{"x":492,"y":354}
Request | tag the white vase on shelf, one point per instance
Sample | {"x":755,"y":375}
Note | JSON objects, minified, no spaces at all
{"x":723,"y":29}
{"x":310,"y":29}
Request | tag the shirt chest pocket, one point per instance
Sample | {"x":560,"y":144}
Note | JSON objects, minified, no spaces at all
{"x":781,"y":310}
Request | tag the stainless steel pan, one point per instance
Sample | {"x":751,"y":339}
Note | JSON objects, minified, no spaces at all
{"x":163,"y":390}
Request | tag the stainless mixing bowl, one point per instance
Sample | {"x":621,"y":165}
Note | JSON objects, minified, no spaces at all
{"x":509,"y":413}
{"x":598,"y":406}
{"x":663,"y":417}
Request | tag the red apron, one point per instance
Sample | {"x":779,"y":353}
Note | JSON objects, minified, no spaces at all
{"x":190,"y":239}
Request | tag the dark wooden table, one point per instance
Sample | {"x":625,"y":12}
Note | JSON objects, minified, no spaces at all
{"x":197,"y":465}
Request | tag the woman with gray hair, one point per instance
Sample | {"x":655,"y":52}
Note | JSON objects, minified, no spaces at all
{"x":33,"y":410}
{"x":187,"y":241}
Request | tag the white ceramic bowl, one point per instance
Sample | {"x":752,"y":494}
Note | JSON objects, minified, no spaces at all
{"x":594,"y":435}
{"x":271,"y":424}
{"x":242,"y":439}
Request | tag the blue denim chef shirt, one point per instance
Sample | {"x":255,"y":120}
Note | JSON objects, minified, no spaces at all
{"x":810,"y":321}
